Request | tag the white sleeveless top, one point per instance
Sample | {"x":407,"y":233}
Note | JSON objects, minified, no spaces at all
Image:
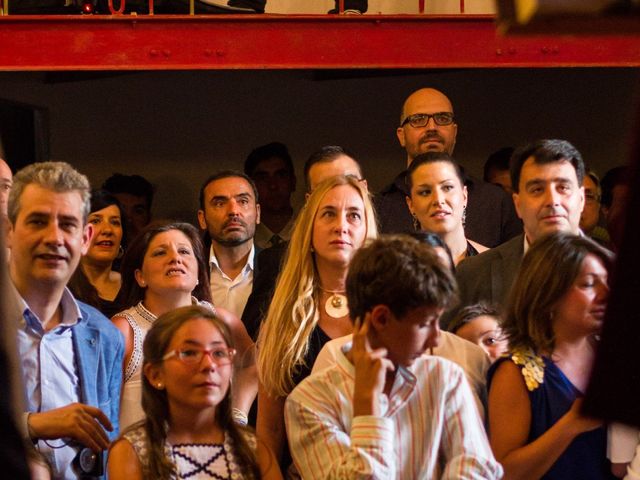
{"x":140,"y":319}
{"x":193,"y":461}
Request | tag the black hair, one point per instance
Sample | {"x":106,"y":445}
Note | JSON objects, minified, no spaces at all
{"x":326,"y":154}
{"x":498,"y":160}
{"x":433,"y":157}
{"x":226,"y":174}
{"x":265,"y":152}
{"x":543,"y":152}
{"x":131,"y":184}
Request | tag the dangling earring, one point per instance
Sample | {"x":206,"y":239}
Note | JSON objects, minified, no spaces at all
{"x":416,"y":223}
{"x":464,"y":216}
{"x":120,"y":252}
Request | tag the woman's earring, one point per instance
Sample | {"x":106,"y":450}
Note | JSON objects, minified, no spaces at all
{"x":464,"y":216}
{"x":120,"y":252}
{"x":159,"y":386}
{"x":416,"y":223}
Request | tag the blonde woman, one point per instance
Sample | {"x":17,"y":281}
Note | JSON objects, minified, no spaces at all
{"x":309,"y":305}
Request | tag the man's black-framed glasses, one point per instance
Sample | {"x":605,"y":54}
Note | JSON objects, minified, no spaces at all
{"x":418,"y":120}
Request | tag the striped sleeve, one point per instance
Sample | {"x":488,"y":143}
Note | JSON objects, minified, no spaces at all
{"x":322,"y":447}
{"x":465,"y":446}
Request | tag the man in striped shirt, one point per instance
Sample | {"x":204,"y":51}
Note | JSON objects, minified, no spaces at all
{"x":385,"y":410}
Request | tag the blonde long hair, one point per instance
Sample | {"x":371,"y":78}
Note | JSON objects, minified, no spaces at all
{"x":284,"y":336}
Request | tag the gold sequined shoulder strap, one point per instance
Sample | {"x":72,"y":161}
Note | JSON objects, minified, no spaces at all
{"x":532,"y":367}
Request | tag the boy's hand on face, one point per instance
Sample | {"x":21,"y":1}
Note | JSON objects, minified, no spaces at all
{"x":371,"y":368}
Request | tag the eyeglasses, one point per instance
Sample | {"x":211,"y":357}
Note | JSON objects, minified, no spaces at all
{"x":419,"y":120}
{"x":193,"y":356}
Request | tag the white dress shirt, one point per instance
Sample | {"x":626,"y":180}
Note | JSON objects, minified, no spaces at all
{"x":231,"y":293}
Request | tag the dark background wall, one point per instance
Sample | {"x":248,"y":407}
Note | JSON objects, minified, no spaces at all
{"x":176,"y":128}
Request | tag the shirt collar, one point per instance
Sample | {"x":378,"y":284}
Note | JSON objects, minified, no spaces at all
{"x":213,"y":260}
{"x":404,"y":375}
{"x":527,"y":245}
{"x":71,"y":314}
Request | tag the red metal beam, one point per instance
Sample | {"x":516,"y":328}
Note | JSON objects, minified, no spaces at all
{"x":293,"y":42}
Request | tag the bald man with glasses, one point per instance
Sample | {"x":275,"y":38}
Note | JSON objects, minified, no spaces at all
{"x":428,"y":124}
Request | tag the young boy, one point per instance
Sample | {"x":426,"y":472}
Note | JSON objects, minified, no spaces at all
{"x":385,"y":410}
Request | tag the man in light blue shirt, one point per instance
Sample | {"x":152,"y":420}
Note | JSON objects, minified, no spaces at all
{"x":71,"y":355}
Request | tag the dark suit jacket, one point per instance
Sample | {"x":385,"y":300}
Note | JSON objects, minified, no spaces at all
{"x":491,"y":216}
{"x":489,"y":276}
{"x":264,"y":284}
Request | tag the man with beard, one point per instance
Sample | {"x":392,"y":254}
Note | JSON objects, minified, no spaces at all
{"x":427,"y":124}
{"x":229,"y":212}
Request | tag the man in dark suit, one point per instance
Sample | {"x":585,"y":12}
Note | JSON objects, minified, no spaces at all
{"x":548,"y":196}
{"x":427,"y":124}
{"x":229,"y":212}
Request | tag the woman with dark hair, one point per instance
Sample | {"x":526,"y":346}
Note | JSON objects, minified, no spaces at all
{"x":438,"y":202}
{"x":552,"y":321}
{"x":95,"y":281}
{"x":189,"y":430}
{"x":164,"y":268}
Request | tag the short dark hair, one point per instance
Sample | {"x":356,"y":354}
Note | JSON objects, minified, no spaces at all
{"x":433,"y":157}
{"x":265,"y":152}
{"x":498,"y":160}
{"x":226,"y":174}
{"x":470,"y":313}
{"x":543,"y":152}
{"x":131,"y":184}
{"x":614,"y":177}
{"x":400,"y":272}
{"x":326,"y":154}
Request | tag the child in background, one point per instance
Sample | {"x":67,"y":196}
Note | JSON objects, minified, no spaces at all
{"x":480,"y":324}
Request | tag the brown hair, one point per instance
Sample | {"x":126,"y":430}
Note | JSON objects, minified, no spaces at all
{"x":400,"y":272}
{"x":156,"y":405}
{"x":131,"y":293}
{"x":548,"y":271}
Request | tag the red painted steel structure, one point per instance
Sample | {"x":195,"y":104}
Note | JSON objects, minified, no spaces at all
{"x":293,"y":42}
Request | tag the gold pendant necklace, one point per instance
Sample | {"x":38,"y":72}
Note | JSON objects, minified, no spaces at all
{"x":336,"y":305}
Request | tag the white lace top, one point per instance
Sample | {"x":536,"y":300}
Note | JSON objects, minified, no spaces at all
{"x":140,"y":319}
{"x":194,"y":461}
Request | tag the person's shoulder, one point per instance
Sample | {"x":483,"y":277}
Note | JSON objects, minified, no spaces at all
{"x":460,"y":350}
{"x":482,"y":259}
{"x":93,"y":318}
{"x":436,"y":366}
{"x":436,"y":375}
{"x":397,"y":185}
{"x":327,"y":383}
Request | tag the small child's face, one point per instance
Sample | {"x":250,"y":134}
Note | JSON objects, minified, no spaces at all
{"x":485,"y":332}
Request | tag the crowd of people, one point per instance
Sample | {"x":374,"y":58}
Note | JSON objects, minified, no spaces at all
{"x":445,"y":327}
